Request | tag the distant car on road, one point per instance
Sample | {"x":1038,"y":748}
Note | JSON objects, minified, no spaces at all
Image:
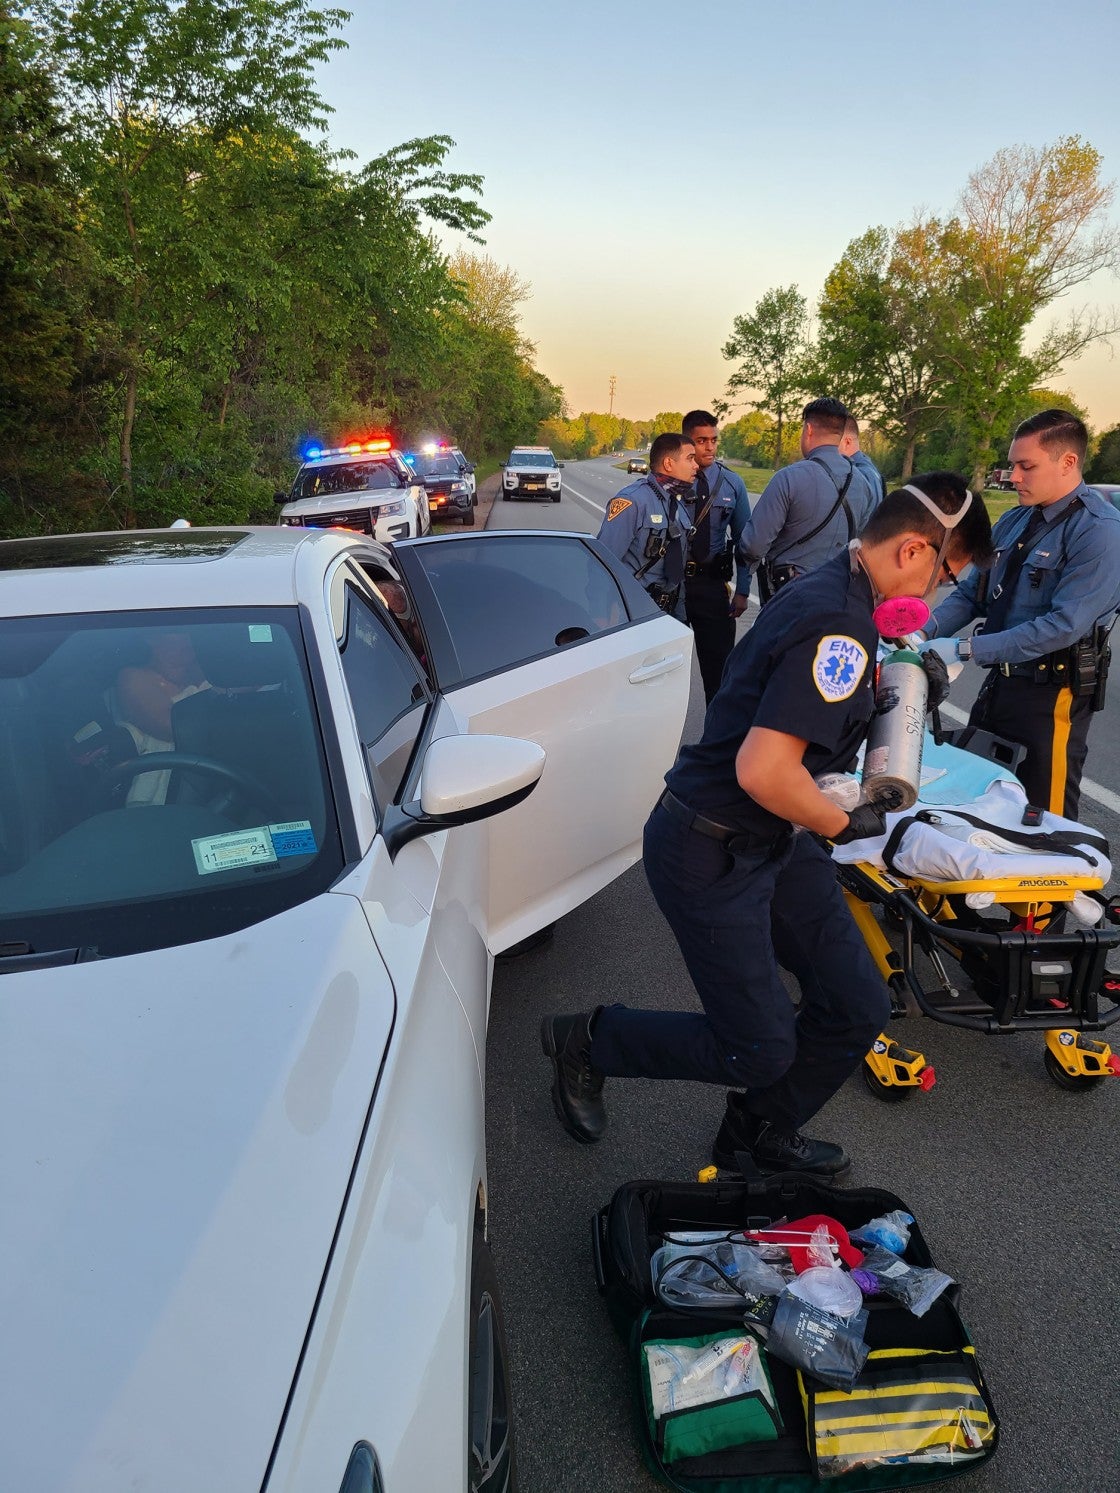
{"x":365,"y":486}
{"x":448,"y":478}
{"x":532,"y":472}
{"x":637,"y":464}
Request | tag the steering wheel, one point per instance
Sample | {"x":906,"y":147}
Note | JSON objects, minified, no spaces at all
{"x":234,"y":782}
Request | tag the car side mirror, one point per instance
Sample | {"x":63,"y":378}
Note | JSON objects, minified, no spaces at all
{"x":279,"y":497}
{"x":464,"y":779}
{"x":470,"y":466}
{"x":559,"y":463}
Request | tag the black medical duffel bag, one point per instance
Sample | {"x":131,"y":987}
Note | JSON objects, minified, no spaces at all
{"x":919,"y":1411}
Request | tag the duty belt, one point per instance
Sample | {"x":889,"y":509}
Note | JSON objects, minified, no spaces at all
{"x":737,"y":841}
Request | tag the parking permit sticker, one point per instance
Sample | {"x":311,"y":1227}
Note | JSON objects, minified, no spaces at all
{"x":293,"y":838}
{"x":243,"y":847}
{"x":260,"y":632}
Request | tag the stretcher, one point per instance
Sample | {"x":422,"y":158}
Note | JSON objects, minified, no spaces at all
{"x":980,"y":920}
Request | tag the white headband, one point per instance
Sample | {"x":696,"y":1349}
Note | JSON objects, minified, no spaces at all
{"x":946,"y":520}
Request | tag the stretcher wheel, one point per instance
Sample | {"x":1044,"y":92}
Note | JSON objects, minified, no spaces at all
{"x":1076,"y":1083}
{"x":887,"y":1093}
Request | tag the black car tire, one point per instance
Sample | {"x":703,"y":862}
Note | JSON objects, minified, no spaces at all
{"x":468,"y":519}
{"x":491,"y":1461}
{"x":556,"y":496}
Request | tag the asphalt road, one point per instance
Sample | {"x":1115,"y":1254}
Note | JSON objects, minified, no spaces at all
{"x":1015,"y":1181}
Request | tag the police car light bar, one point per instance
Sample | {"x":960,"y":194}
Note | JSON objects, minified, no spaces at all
{"x":352,"y":448}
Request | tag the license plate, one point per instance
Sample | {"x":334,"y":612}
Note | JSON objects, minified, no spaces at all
{"x":533,"y":486}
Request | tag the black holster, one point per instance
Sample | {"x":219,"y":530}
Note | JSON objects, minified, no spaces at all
{"x":771,"y":579}
{"x":664,"y":595}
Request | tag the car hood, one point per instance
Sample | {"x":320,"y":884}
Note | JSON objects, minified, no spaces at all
{"x":177,"y":1132}
{"x":344,"y":502}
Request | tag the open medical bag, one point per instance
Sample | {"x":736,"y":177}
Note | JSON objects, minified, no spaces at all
{"x":916,"y":1412}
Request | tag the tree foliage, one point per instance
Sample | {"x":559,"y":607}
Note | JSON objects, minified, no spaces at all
{"x":193,"y":281}
{"x":1105,"y":465}
{"x":770,"y":346}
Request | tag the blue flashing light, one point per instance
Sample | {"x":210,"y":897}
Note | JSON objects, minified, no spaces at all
{"x":410,"y":457}
{"x":312,"y":452}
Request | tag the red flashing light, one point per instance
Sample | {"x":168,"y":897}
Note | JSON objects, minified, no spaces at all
{"x":1114,"y":1063}
{"x":927,"y":1079}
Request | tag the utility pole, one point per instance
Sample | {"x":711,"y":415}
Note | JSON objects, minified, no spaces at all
{"x":614,"y":381}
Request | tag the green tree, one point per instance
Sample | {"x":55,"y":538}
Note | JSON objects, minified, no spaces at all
{"x":1032,"y":226}
{"x":1105,"y":465}
{"x":876,"y":348}
{"x":770,"y":346}
{"x":155,"y":89}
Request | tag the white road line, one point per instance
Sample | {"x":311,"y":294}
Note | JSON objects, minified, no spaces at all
{"x":1102,"y":795}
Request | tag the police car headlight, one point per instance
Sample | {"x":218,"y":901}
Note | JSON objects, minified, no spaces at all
{"x":390,"y":510}
{"x":554,"y":481}
{"x":511,"y":479}
{"x":458,"y":487}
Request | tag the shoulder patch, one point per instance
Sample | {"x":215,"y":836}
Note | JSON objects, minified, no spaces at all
{"x":617,"y":506}
{"x":838,"y":667}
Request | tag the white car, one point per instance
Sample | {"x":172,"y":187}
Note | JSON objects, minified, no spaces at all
{"x":366,"y":487}
{"x":532,"y":472}
{"x":245,"y":968}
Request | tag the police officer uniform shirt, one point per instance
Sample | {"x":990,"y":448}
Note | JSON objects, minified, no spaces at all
{"x":863,"y":463}
{"x":795,"y":501}
{"x":637,"y":516}
{"x":1047,"y":590}
{"x":718,"y":510}
{"x":806,"y":668}
{"x":727,"y":517}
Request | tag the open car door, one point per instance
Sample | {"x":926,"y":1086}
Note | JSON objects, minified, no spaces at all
{"x":545,"y":636}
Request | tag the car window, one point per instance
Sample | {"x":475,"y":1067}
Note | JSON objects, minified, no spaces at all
{"x":506,"y":599}
{"x":232,"y":822}
{"x":531,"y":459}
{"x":349,"y":476}
{"x":387,"y":694}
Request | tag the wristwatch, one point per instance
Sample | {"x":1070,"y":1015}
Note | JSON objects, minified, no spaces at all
{"x":964,"y":649}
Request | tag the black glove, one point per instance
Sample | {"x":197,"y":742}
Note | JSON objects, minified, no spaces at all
{"x":937,"y":675}
{"x":864,"y":823}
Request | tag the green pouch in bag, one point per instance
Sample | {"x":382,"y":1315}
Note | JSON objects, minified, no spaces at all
{"x":703,"y":1394}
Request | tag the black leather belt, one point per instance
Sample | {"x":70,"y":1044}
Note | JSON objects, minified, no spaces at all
{"x":737,"y":841}
{"x":700,"y":567}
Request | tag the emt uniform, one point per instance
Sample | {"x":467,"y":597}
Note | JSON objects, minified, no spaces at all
{"x":1047,"y":604}
{"x":744,"y":893}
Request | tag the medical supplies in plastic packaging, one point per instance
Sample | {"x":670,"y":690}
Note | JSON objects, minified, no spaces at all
{"x":779,"y":1343}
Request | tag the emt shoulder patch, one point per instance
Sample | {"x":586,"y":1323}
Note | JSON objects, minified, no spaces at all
{"x":838,"y":666}
{"x":617,"y":506}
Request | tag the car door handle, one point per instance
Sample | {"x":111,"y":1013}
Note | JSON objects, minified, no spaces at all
{"x":657,"y":668}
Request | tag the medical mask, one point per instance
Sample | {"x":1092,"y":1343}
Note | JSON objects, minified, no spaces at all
{"x":898,"y":616}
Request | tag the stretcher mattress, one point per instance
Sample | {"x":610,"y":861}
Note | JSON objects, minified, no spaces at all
{"x":953,"y":850}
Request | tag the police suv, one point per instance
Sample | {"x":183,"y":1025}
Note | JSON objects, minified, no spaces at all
{"x":531,"y":472}
{"x":366,"y":486}
{"x":449,"y":481}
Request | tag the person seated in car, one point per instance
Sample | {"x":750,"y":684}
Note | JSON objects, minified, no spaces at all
{"x":144,"y":695}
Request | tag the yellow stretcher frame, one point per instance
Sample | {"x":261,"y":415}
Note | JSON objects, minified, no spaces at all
{"x":1017,"y":965}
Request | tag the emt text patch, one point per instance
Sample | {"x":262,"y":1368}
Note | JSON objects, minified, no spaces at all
{"x":838,"y":666}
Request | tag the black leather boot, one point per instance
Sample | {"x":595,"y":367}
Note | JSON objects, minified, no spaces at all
{"x":577,"y":1086}
{"x":772,"y":1150}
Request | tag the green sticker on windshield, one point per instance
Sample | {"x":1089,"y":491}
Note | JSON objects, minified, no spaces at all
{"x":260,"y":632}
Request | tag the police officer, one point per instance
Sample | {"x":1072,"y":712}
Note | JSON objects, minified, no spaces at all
{"x":717,"y":513}
{"x":850,"y":447}
{"x":811,"y":509}
{"x":1046,"y":606}
{"x":646,"y":525}
{"x":742,"y":890}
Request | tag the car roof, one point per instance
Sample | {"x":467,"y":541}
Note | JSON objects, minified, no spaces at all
{"x":547,"y":449}
{"x":348,"y":457}
{"x":155,"y":569}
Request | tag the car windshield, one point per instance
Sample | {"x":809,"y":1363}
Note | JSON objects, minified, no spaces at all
{"x":532,"y":459}
{"x":346,"y":476}
{"x":162,"y":778}
{"x":436,"y":466}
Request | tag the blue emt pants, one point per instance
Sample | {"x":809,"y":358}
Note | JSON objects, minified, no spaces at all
{"x":736,"y":918}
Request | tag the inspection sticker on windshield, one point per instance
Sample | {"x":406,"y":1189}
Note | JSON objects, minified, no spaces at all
{"x":244,"y":847}
{"x":294,"y":838}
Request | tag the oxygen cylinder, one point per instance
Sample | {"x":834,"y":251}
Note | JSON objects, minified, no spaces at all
{"x":892,"y":762}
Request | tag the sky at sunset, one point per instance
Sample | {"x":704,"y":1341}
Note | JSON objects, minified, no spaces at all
{"x":652,"y":168}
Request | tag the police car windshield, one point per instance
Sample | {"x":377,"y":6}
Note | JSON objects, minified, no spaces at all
{"x":532,"y":459}
{"x":436,"y":466}
{"x":347,"y":476}
{"x":233,"y":820}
